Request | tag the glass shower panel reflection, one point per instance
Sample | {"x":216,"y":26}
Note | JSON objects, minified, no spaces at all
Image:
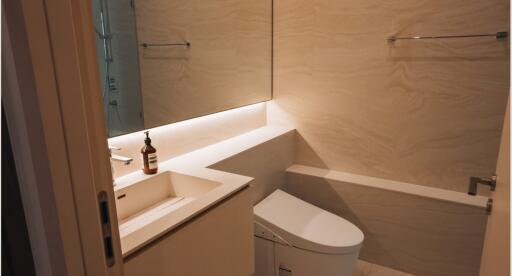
{"x":116,"y":41}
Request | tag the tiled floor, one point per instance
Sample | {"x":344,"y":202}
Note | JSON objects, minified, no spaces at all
{"x":368,"y":269}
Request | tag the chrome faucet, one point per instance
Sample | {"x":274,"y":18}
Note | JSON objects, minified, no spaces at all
{"x":119,"y":158}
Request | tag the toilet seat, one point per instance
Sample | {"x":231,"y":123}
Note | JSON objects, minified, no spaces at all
{"x":306,"y":226}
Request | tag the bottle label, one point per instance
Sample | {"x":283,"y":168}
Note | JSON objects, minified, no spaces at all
{"x":152,"y":161}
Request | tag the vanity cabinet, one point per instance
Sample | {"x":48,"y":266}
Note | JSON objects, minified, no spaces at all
{"x":216,"y":242}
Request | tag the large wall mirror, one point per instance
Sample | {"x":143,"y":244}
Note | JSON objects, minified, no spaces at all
{"x":164,"y":61}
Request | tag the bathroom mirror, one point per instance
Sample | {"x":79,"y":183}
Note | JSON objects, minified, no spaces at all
{"x":164,"y":61}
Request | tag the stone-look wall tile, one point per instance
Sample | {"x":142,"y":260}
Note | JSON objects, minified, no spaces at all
{"x":422,"y":112}
{"x":266,"y":163}
{"x":182,"y":137}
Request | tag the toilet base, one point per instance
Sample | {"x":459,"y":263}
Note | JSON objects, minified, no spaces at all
{"x":281,"y":260}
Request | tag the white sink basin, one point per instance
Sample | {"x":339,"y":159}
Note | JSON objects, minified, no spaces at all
{"x":150,"y":206}
{"x":159,"y":193}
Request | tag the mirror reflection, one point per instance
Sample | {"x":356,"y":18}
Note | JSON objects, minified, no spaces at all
{"x":164,"y":61}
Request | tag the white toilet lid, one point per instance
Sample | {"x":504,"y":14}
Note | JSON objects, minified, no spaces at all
{"x":306,"y":226}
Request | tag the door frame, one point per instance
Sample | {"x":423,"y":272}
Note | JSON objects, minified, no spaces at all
{"x":496,"y":251}
{"x":54,"y":111}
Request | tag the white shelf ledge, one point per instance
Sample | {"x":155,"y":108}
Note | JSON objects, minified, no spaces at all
{"x":390,"y":185}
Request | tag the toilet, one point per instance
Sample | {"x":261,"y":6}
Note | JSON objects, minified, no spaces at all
{"x":295,"y":238}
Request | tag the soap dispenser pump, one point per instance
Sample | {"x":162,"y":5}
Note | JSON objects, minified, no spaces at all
{"x":149,"y":159}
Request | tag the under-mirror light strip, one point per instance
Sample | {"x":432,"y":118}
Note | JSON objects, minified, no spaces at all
{"x":207,"y":119}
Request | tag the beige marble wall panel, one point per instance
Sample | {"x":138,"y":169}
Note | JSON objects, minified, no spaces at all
{"x":423,"y":112}
{"x":182,"y":137}
{"x":228,"y":64}
{"x":266,"y":162}
{"x":408,"y":233}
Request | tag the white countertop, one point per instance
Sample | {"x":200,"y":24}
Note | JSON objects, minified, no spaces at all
{"x":196,"y":164}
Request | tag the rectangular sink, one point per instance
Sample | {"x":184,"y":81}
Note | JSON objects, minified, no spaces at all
{"x":148,"y":206}
{"x":158,"y":194}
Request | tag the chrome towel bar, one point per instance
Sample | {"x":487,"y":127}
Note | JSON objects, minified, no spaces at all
{"x":498,"y":35}
{"x":149,"y":45}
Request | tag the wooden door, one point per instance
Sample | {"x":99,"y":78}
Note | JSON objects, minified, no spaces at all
{"x":54,"y":110}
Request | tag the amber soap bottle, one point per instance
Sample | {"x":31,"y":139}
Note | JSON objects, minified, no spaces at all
{"x":149,"y":160}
